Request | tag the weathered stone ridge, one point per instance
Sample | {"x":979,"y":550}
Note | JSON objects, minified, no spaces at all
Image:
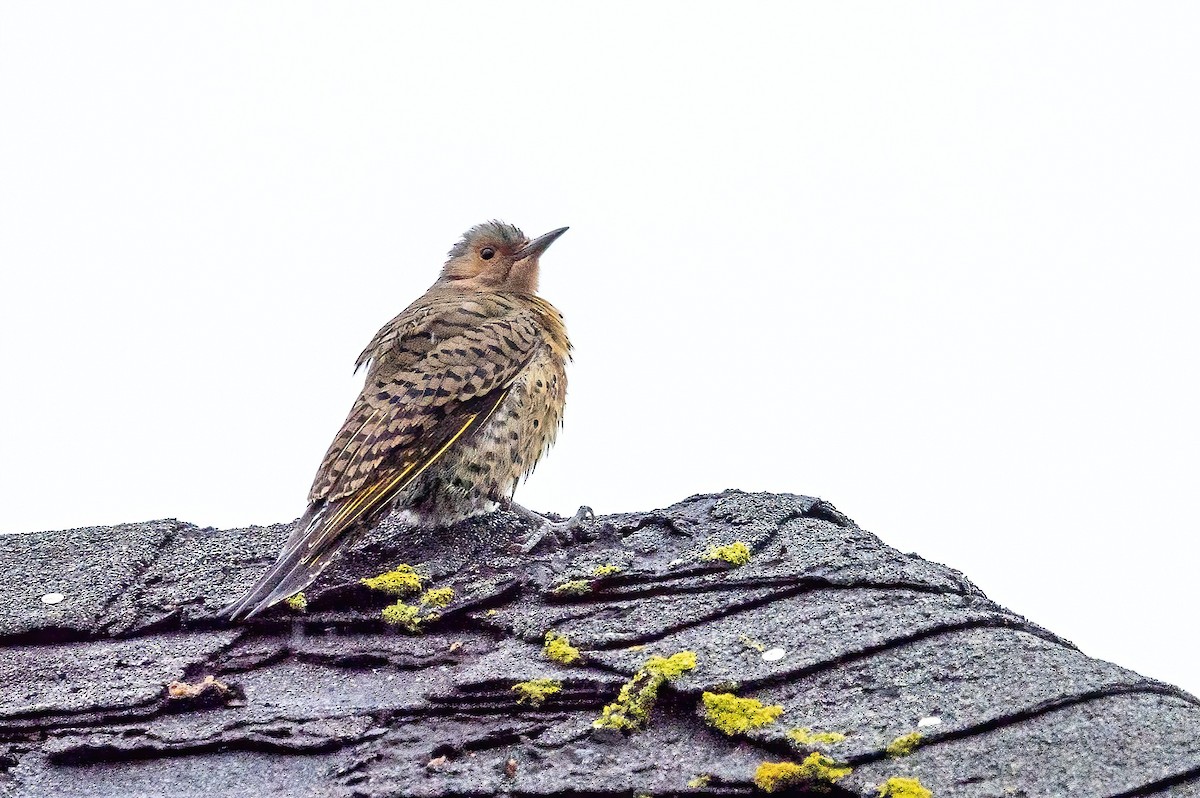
{"x":856,"y":657}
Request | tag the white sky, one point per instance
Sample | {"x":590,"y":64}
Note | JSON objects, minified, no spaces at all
{"x":936,"y":263}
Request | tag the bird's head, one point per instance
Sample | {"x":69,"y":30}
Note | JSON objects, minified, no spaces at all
{"x":495,"y":256}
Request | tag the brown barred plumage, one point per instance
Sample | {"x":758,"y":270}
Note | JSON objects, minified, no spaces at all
{"x":464,"y":393}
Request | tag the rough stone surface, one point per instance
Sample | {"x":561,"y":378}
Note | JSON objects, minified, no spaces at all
{"x":845,"y":633}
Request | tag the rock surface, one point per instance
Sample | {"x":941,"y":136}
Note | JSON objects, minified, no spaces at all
{"x":842,"y":632}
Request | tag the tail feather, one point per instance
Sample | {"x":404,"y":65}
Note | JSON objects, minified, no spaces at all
{"x":295,"y":569}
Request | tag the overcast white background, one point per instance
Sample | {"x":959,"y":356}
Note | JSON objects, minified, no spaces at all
{"x":936,"y":263}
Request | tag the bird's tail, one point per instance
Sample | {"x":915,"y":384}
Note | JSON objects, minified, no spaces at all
{"x":298,"y":565}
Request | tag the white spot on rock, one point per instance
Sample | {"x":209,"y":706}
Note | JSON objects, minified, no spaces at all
{"x":773,"y":655}
{"x":52,"y":598}
{"x":932,"y":720}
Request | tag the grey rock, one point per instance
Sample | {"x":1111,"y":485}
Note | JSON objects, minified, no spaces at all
{"x":840,"y":631}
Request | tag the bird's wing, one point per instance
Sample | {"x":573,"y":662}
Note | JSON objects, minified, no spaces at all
{"x":403,"y":421}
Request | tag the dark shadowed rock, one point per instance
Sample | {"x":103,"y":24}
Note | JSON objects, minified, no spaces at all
{"x":106,"y":692}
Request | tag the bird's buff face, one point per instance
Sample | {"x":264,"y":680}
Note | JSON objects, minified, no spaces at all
{"x":495,"y":256}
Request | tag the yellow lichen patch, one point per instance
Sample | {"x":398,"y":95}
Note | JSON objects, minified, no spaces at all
{"x":437,"y":597}
{"x":576,"y":587}
{"x":904,"y":745}
{"x":899,"y":787}
{"x":403,"y":580}
{"x":807,"y":738}
{"x":732,"y":715}
{"x":736,"y":553}
{"x":702,"y":780}
{"x":406,"y":616}
{"x":298,"y":602}
{"x":631,"y":710}
{"x":559,"y":649}
{"x":607,"y":570}
{"x":536,"y":691}
{"x":814,"y":770}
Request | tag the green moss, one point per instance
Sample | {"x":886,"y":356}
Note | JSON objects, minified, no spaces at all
{"x":559,"y":649}
{"x":736,"y":553}
{"x":438,"y":597}
{"x":904,"y":745}
{"x":631,"y":710}
{"x":403,"y":580}
{"x":732,"y":715}
{"x":899,"y":787}
{"x":607,"y":570}
{"x":807,"y":738}
{"x":816,"y":770}
{"x":535,"y":691}
{"x":696,"y":782}
{"x":576,"y":587}
{"x":406,"y":616}
{"x":297,"y":602}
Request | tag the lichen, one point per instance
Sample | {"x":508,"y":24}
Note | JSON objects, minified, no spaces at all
{"x":559,"y":649}
{"x":750,"y":643}
{"x":437,"y":597}
{"x":732,"y":715}
{"x":736,"y":553}
{"x":209,"y":686}
{"x":576,"y":587}
{"x":403,"y":580}
{"x":816,"y":771}
{"x":904,"y":745}
{"x":535,"y":691}
{"x":606,"y":570}
{"x":406,"y":616}
{"x":806,"y":738}
{"x":702,"y":780}
{"x":631,"y":710}
{"x":900,"y":787}
{"x":297,"y":602}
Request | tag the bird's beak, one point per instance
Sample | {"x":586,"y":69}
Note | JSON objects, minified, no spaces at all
{"x":539,"y":245}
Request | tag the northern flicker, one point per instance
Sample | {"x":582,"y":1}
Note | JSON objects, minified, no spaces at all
{"x":464,"y":393}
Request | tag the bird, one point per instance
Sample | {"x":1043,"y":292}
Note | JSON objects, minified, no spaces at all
{"x":463,"y":395}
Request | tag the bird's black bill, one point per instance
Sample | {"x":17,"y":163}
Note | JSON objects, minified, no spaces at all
{"x":538,"y":245}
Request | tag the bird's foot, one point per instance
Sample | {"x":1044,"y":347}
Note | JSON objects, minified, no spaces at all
{"x":563,"y":533}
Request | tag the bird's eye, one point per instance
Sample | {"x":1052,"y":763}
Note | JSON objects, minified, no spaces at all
{"x":486,"y":253}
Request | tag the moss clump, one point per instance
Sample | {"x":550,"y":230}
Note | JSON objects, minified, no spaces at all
{"x":806,"y":738}
{"x":437,"y":597}
{"x":535,"y":691}
{"x":815,"y":770}
{"x":606,"y":570}
{"x":903,"y":746}
{"x":403,"y":580}
{"x":406,"y":616}
{"x":900,"y":787}
{"x":631,"y":710}
{"x":297,"y":602}
{"x":696,"y":782}
{"x":576,"y":587}
{"x":559,"y":649}
{"x":732,"y":715}
{"x":736,"y":553}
